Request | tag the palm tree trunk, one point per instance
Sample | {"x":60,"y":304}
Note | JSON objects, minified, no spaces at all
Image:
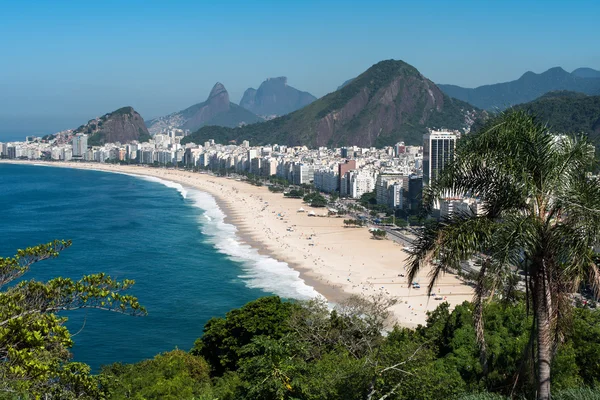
{"x":543,"y":311}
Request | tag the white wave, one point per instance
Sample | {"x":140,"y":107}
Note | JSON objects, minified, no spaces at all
{"x":183,"y":191}
{"x":174,"y":185}
{"x":261,"y":272}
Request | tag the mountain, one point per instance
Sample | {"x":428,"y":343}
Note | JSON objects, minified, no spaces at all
{"x":275,"y":97}
{"x":586,"y":73}
{"x":528,"y":87}
{"x":122,"y":125}
{"x":568,"y":112}
{"x":389,"y":102}
{"x":345,"y":83}
{"x":216,"y":110}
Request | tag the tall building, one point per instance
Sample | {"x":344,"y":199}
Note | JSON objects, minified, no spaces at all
{"x":79,"y":146}
{"x":344,"y":167}
{"x":391,"y":188}
{"x":438,"y":150}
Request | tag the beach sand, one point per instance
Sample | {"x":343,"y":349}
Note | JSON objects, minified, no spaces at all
{"x":335,"y":260}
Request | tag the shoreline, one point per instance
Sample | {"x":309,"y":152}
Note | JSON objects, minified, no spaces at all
{"x":334,"y":260}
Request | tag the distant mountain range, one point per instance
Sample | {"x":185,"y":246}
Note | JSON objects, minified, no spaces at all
{"x":528,"y":87}
{"x":216,"y":110}
{"x":389,"y":102}
{"x":275,"y":98}
{"x":122,"y":125}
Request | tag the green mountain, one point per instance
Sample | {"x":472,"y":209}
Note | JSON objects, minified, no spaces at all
{"x":568,"y":112}
{"x":528,"y":87}
{"x":389,"y":102}
{"x":123,"y":125}
{"x":216,"y":110}
{"x":275,"y":97}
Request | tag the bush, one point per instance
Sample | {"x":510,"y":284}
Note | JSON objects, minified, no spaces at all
{"x":172,"y":375}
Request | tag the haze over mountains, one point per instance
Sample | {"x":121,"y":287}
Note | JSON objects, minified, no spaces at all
{"x":389,"y":102}
{"x":275,"y":98}
{"x":528,"y":87}
{"x":216,"y":110}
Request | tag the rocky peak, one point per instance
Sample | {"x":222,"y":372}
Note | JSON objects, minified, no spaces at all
{"x":275,"y":97}
{"x":122,"y":125}
{"x":218,"y":91}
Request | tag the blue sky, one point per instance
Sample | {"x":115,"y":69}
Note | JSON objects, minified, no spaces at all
{"x":64,"y":62}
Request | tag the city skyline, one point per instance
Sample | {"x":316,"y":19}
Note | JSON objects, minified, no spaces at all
{"x":71,"y":62}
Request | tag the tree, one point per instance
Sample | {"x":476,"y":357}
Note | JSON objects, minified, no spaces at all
{"x":541,"y":212}
{"x":173,"y":375}
{"x":224,"y":338}
{"x":378,"y":234}
{"x":34,"y":344}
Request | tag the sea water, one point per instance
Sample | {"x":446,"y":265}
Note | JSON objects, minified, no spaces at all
{"x":188,"y":263}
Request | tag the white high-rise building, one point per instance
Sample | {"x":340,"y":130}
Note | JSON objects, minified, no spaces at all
{"x":79,"y":146}
{"x":438,"y":150}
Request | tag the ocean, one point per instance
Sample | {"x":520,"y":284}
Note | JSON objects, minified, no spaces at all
{"x":188,"y":264}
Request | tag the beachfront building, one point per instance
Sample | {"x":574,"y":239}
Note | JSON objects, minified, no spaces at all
{"x":438,"y":150}
{"x":303,"y":173}
{"x":80,"y":146}
{"x":269,"y":166}
{"x":326,"y":180}
{"x":360,"y":182}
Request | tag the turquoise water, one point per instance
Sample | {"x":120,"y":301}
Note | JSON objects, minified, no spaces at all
{"x":187,"y":263}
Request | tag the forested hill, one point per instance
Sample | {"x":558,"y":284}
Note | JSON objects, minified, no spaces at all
{"x":568,"y":112}
{"x":527,"y":88}
{"x":389,"y":102}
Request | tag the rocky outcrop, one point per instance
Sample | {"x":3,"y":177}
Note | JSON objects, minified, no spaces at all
{"x":275,"y":98}
{"x":123,"y":125}
{"x":216,"y":110}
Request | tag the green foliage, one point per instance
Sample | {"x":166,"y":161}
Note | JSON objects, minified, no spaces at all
{"x":585,"y":334}
{"x":144,"y":136}
{"x":274,"y":350}
{"x":315,"y":199}
{"x":368,"y":199}
{"x":34,"y":344}
{"x":568,"y":112}
{"x":353,"y":222}
{"x":173,"y":375}
{"x":223,"y":339}
{"x":294,"y":194}
{"x":378,"y":233}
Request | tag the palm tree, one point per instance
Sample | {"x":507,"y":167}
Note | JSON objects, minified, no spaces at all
{"x":540,"y":213}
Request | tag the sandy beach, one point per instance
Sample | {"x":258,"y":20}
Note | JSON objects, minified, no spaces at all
{"x":335,"y":260}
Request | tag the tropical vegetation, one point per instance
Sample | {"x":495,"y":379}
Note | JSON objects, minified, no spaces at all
{"x":540,"y":216}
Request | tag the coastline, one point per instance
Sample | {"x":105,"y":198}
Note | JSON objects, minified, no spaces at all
{"x":334,"y":260}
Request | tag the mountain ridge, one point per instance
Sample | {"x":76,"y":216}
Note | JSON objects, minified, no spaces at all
{"x":526,"y":88}
{"x":275,"y":97}
{"x":216,"y":109}
{"x":390,"y":101}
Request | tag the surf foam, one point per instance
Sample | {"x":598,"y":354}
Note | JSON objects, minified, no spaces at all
{"x":261,"y":272}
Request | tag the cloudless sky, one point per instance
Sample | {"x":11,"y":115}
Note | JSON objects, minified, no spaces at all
{"x":64,"y":62}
